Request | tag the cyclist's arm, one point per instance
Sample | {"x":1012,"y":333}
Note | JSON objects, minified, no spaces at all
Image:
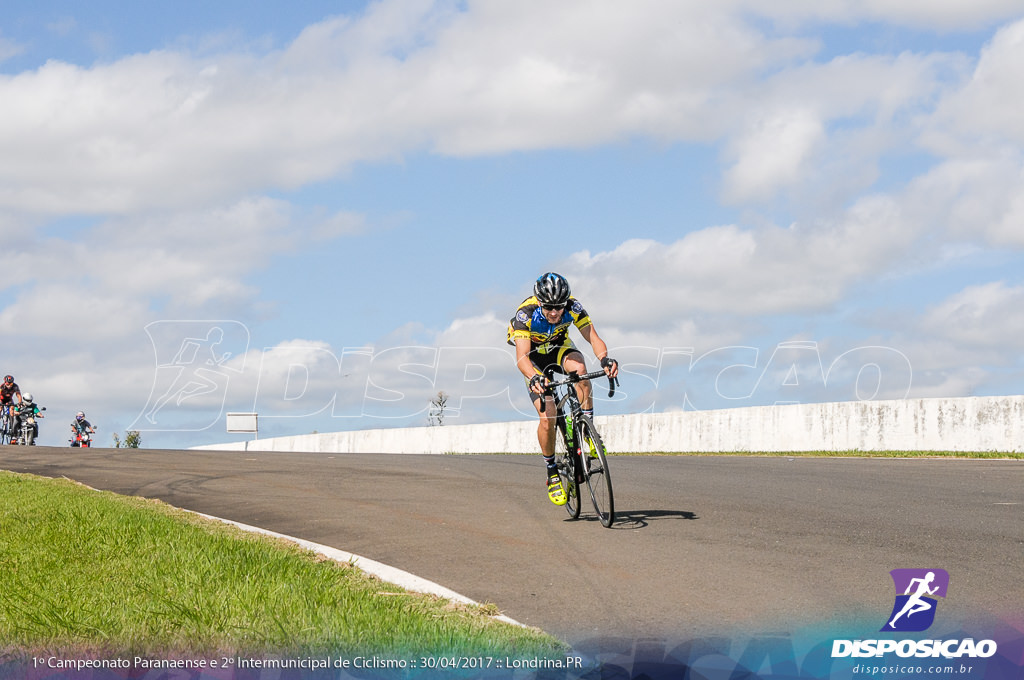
{"x":600,"y":348}
{"x":523,"y":362}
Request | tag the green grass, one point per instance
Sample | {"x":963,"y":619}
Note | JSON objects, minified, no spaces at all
{"x":95,"y":573}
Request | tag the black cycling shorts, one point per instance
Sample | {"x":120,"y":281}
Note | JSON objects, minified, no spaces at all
{"x":542,"y":361}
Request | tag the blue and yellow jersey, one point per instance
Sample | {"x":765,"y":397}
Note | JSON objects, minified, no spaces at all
{"x":529,"y":322}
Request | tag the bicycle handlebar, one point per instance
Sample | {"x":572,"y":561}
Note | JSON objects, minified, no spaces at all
{"x":574,"y":378}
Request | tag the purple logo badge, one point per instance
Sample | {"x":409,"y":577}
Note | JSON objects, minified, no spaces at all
{"x":916,"y":589}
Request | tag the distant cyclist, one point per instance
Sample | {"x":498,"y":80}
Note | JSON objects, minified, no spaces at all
{"x":8,"y":391}
{"x":540,"y":333}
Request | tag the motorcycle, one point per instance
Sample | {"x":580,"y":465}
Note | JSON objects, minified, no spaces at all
{"x":27,"y":428}
{"x":81,"y":438}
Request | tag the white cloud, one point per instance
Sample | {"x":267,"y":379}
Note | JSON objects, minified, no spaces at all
{"x":973,"y":200}
{"x":312,"y":382}
{"x":113,"y":270}
{"x":344,"y":223}
{"x":816,"y":133}
{"x":941,"y":14}
{"x":985,"y":316}
{"x":774,"y":153}
{"x":984,"y":116}
{"x":167,"y":129}
{"x":573,"y":74}
{"x":9,"y":49}
{"x":947,"y":15}
{"x":67,"y":311}
{"x":746,"y":272}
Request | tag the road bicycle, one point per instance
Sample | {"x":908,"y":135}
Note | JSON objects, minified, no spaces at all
{"x":6,"y":424}
{"x":579,"y":452}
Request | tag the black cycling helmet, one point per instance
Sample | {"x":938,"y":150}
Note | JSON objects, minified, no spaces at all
{"x":552,"y":290}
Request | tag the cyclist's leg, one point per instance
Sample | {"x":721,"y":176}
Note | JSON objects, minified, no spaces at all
{"x":545,"y":406}
{"x":573,"y":362}
{"x":546,"y":432}
{"x":546,"y":425}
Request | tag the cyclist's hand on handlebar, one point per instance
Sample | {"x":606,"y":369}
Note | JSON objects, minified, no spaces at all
{"x":610,"y":366}
{"x":538,"y":384}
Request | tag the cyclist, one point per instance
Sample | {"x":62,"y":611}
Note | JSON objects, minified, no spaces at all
{"x":8,"y":391}
{"x":540,"y":333}
{"x":80,"y":426}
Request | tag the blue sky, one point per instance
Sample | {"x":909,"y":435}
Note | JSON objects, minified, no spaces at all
{"x":327,"y":212}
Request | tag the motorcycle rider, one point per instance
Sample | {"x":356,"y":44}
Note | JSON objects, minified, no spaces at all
{"x":23,"y":410}
{"x":80,"y":426}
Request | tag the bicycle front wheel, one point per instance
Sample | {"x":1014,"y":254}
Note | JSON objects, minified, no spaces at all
{"x":567,"y":472}
{"x":595,"y":466}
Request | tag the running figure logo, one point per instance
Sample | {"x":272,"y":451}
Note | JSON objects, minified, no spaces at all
{"x":192,"y":373}
{"x":914,"y":609}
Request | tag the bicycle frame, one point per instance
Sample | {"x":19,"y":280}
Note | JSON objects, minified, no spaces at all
{"x":6,"y":424}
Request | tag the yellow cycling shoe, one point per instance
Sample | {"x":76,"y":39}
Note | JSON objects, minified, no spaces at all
{"x":555,"y":491}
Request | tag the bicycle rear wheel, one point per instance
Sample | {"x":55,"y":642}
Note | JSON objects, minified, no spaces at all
{"x":595,"y":465}
{"x":567,"y":471}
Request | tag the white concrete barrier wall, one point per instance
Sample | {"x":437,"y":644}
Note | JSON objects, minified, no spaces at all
{"x":955,"y":424}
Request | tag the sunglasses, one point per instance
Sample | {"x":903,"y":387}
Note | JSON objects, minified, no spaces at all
{"x":552,"y":308}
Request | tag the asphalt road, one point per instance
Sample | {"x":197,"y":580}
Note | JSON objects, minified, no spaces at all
{"x":703,"y":545}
